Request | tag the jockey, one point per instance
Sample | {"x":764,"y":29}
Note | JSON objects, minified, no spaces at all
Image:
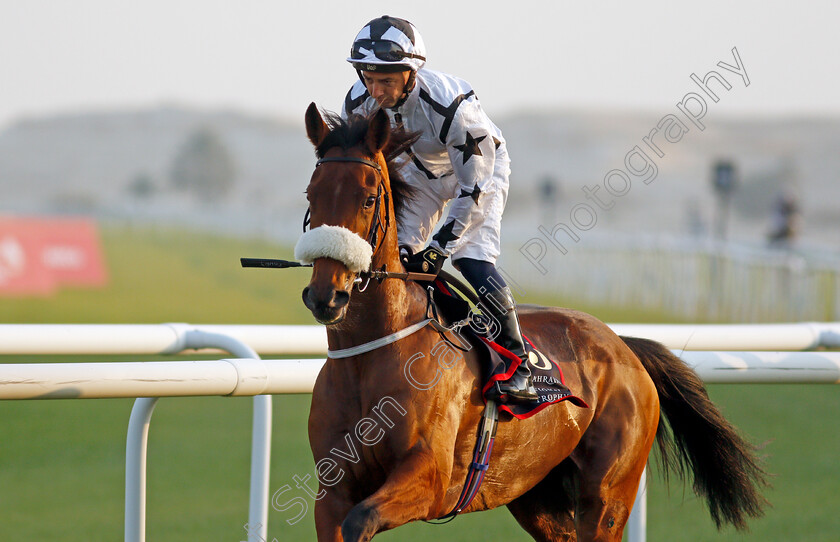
{"x":460,"y":155}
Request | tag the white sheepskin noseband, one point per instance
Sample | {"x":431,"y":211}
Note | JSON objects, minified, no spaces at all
{"x":336,"y":242}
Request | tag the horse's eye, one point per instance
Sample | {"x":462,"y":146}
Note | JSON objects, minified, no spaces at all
{"x":370,"y":201}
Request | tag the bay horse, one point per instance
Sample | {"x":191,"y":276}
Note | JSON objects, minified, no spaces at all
{"x":389,"y":452}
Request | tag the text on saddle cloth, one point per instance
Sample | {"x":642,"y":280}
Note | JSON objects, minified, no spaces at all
{"x":547,"y":376}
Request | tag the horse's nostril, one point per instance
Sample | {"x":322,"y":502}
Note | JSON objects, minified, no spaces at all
{"x":307,"y":298}
{"x":341,"y":298}
{"x":332,"y":300}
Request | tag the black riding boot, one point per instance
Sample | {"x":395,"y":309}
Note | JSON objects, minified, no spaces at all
{"x":500,"y":305}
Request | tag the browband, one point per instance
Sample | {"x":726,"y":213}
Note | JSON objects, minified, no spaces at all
{"x":365,"y":161}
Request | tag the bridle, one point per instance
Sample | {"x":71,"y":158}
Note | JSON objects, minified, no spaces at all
{"x":376,"y":226}
{"x":372,"y":238}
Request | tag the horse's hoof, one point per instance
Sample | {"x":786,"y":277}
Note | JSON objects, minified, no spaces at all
{"x":360,"y":524}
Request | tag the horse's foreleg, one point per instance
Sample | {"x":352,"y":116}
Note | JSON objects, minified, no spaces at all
{"x":329,"y":513}
{"x":406,"y":495}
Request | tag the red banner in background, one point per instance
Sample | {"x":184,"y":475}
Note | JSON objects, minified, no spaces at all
{"x":39,"y":255}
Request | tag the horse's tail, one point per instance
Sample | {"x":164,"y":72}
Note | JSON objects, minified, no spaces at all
{"x":697,"y":437}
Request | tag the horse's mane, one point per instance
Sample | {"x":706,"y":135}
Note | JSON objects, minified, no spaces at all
{"x":350,"y":132}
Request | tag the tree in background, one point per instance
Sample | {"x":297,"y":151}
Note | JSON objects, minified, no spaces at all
{"x":204,"y":166}
{"x":142,"y":186}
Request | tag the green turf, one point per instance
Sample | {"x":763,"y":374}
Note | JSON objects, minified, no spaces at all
{"x":62,"y":462}
{"x":799,"y":439}
{"x":168,"y":276}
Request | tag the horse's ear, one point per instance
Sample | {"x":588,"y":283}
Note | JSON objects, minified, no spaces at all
{"x":316,"y":128}
{"x":379,"y":131}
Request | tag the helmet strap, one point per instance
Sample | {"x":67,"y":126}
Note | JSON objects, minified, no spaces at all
{"x":409,"y":86}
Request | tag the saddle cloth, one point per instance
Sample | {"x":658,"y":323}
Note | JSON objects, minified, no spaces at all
{"x":501,"y":363}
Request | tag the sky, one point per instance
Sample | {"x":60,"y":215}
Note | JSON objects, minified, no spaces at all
{"x":275,"y":57}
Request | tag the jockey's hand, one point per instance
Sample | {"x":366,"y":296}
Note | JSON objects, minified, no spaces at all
{"x":428,"y":260}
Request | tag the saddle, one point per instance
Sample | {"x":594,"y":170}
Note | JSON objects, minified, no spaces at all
{"x":454,"y":311}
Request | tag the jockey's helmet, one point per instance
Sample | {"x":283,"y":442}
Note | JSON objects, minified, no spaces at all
{"x":388,"y":44}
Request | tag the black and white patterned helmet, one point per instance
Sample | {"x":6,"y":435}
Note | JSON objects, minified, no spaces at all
{"x":388,"y":44}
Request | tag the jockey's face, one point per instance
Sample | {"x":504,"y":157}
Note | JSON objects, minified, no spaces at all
{"x":386,"y":88}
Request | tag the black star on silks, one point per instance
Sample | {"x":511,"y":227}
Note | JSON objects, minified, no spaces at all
{"x":444,"y":235}
{"x":474,"y":194}
{"x":470,"y":146}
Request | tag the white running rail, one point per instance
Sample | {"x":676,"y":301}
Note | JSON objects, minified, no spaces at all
{"x":149,"y":380}
{"x":251,"y":376}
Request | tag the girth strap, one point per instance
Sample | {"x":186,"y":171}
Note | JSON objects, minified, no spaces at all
{"x":479,"y":464}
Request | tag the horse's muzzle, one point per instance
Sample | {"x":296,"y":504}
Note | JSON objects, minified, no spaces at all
{"x":327,"y":307}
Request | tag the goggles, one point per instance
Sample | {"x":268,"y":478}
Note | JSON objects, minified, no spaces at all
{"x":388,"y":51}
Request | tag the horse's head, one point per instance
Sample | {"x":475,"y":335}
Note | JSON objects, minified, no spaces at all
{"x":350,"y":205}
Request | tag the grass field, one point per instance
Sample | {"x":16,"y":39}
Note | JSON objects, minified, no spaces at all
{"x":62,"y":462}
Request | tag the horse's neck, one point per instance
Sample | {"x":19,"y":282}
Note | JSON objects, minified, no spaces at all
{"x":380,"y":309}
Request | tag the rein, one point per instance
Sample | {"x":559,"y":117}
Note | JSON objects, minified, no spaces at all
{"x":386,"y":340}
{"x":370,"y":346}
